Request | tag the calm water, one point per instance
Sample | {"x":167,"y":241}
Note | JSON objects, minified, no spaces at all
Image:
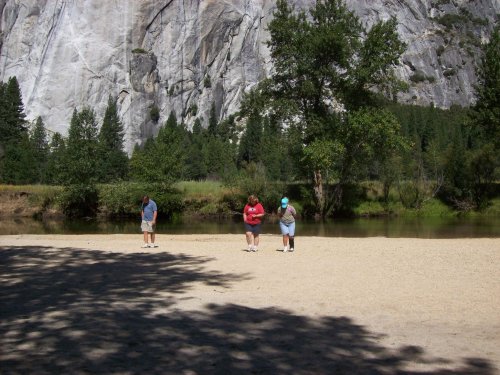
{"x":393,"y":227}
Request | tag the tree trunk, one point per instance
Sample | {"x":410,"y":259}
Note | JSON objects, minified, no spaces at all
{"x":318,"y":193}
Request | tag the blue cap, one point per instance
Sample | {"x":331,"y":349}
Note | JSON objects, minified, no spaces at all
{"x":284,"y":202}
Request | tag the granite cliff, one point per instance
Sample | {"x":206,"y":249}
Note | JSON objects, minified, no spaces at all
{"x":185,"y":55}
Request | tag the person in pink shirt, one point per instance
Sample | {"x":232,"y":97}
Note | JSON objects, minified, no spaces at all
{"x":252,"y":217}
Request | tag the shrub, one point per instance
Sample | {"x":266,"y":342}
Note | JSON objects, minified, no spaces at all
{"x":450,"y":72}
{"x":418,"y":76}
{"x":124,"y":199}
{"x":154,"y":113}
{"x":79,"y":200}
{"x":193,"y":109}
{"x":139,"y":50}
{"x":207,"y":82}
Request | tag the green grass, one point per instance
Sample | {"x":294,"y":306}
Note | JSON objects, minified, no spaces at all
{"x":40,"y":197}
{"x":31,"y":189}
{"x":201,"y":189}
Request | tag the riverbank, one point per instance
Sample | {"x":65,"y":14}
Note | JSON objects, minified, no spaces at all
{"x":100,"y":303}
{"x":205,"y":200}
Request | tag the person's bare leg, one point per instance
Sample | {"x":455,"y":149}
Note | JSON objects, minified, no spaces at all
{"x":145,"y":237}
{"x":285,"y":240}
{"x":256,"y":241}
{"x":153,"y":237}
{"x":249,"y":239}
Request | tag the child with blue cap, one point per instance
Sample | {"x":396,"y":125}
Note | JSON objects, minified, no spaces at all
{"x":287,"y":215}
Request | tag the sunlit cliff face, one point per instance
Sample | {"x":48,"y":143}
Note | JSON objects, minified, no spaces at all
{"x":174,"y":54}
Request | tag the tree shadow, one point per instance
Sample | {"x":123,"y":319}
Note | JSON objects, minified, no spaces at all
{"x":89,"y":312}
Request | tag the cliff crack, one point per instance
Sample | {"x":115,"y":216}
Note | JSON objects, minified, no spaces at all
{"x":159,"y":13}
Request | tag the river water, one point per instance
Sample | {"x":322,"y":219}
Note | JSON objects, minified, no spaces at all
{"x":363,"y":227}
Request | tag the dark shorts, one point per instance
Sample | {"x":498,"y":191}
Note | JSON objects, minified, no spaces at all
{"x":254,"y":228}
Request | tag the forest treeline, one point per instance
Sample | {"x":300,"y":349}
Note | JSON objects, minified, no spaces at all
{"x":286,"y":132}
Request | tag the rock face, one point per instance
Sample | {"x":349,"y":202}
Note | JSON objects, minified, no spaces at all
{"x":187,"y":55}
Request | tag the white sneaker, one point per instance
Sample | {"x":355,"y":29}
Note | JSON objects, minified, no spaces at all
{"x":254,"y":249}
{"x":153,"y":245}
{"x":145,"y":246}
{"x":291,"y":249}
{"x":249,"y":248}
{"x":285,"y":249}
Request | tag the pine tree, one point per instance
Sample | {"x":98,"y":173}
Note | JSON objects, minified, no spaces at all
{"x":113,"y":161}
{"x":12,"y":116}
{"x":81,"y":151}
{"x":196,"y":166}
{"x":40,"y":149}
{"x":15,"y":152}
{"x":250,"y":143}
{"x":55,"y":170}
{"x":486,"y":114}
{"x":163,"y":159}
{"x":212,"y":122}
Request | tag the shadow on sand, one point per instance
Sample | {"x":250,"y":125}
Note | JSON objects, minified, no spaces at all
{"x":74,"y":311}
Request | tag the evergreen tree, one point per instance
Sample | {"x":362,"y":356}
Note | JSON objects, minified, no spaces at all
{"x":81,"y":174}
{"x":81,"y":150}
{"x":113,"y":161}
{"x":162,"y":159}
{"x":55,"y":171}
{"x":196,"y":168}
{"x":19,"y":163}
{"x":275,"y":153}
{"x":40,"y":148}
{"x":16,"y":156}
{"x":250,"y":143}
{"x":12,"y":116}
{"x":212,"y":122}
{"x":486,"y":115}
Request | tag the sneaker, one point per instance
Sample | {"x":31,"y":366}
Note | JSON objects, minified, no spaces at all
{"x":285,"y":249}
{"x":291,"y":249}
{"x":153,"y":245}
{"x":255,"y":249}
{"x":145,"y":245}
{"x":249,"y":248}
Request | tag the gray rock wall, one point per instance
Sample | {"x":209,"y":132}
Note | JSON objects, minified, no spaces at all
{"x":184,"y":55}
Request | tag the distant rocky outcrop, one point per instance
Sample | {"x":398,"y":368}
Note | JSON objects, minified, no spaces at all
{"x":177,"y":55}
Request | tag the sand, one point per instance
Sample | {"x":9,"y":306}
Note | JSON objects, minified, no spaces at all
{"x":200,"y":304}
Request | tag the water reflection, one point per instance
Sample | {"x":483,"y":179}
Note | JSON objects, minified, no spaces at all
{"x":386,"y":227}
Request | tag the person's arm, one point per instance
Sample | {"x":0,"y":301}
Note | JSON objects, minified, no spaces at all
{"x":155,"y":214}
{"x":261,"y":212}
{"x":245,"y":214}
{"x":142,"y":212}
{"x":294,"y":213}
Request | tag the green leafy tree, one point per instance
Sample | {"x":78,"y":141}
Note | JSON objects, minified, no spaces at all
{"x":113,"y":161}
{"x":325,"y":63}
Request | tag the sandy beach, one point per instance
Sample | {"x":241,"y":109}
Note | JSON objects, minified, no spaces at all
{"x":198,"y":304}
